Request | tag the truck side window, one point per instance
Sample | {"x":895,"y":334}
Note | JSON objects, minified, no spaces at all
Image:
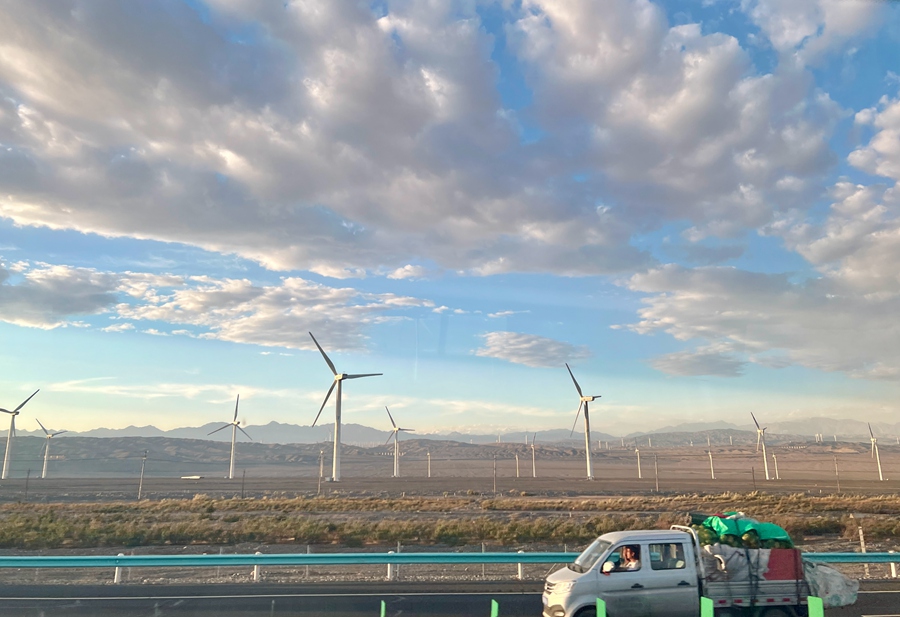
{"x":668,"y":556}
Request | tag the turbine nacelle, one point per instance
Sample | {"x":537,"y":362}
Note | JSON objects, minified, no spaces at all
{"x":588,"y":399}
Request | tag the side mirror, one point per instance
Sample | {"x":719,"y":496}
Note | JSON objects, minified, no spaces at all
{"x":608,"y":567}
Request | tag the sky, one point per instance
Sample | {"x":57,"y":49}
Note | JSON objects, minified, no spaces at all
{"x":693,"y":203}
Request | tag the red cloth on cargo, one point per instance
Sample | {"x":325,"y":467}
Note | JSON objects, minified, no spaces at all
{"x":784,"y":565}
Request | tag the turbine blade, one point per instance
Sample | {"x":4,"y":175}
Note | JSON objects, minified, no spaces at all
{"x":754,"y":420}
{"x":408,"y":430}
{"x":577,"y":387}
{"x":220,"y":428}
{"x":46,"y":433}
{"x":758,"y":437}
{"x":236,"y":403}
{"x":26,"y":400}
{"x":394,"y":424}
{"x":245,"y":433}
{"x":362,"y":375}
{"x":327,"y":396}
{"x":391,"y":436}
{"x":871,"y":434}
{"x":324,"y":355}
{"x":577,"y":413}
{"x":58,"y":433}
{"x":533,"y":435}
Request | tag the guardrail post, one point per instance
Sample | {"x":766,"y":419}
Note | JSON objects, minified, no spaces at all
{"x":390,"y":568}
{"x":601,"y":607}
{"x":816,"y":606}
{"x":520,"y":573}
{"x":706,"y":607}
{"x":495,"y":608}
{"x":117,"y":577}
{"x":862,"y":547}
{"x":256,"y":569}
{"x":893,"y":567}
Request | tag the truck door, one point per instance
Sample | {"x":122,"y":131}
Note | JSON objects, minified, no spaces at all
{"x":621,"y":584}
{"x":670,"y":581}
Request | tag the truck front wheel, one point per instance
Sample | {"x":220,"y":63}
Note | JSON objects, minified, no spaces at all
{"x":588,"y":611}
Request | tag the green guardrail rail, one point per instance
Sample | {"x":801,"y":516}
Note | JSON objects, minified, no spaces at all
{"x":305,"y":559}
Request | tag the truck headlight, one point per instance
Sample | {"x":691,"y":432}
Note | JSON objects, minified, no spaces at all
{"x":563,"y":587}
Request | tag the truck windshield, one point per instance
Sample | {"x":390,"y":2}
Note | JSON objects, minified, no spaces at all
{"x":589,"y":556}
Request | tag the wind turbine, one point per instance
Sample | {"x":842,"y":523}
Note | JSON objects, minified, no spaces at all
{"x":533,"y":457}
{"x":47,"y":446}
{"x":395,"y":434}
{"x":761,"y":438}
{"x":338,"y":379}
{"x":11,"y":433}
{"x":583,"y":402}
{"x":235,"y":425}
{"x":875,"y":451}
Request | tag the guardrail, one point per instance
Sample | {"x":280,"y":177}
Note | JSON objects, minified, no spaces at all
{"x":284,"y":559}
{"x":304,"y":559}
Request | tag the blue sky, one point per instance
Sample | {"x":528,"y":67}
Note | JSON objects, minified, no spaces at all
{"x":693,"y":203}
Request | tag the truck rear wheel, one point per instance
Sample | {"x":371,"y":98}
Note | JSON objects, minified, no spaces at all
{"x":589,"y":611}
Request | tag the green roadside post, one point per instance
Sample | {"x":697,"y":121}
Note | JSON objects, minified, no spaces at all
{"x":383,"y":608}
{"x":601,"y":607}
{"x":706,"y":607}
{"x":495,"y":608}
{"x":816,"y":606}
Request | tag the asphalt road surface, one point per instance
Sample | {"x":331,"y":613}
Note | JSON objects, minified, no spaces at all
{"x":345,"y":600}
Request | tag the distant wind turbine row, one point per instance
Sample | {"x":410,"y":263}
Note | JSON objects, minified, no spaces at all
{"x":337,"y":383}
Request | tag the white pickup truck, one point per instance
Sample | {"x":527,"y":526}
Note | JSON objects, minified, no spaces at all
{"x":667,"y":574}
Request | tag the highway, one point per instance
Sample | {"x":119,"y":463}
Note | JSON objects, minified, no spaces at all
{"x":880,"y":599}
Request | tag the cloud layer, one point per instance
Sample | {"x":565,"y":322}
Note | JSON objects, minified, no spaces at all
{"x":327,"y":137}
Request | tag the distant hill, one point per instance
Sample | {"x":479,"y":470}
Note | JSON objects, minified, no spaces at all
{"x":358,"y":434}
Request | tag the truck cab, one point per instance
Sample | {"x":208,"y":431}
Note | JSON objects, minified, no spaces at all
{"x":652,"y":573}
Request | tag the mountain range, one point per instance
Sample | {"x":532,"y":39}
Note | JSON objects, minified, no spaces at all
{"x":277,"y":432}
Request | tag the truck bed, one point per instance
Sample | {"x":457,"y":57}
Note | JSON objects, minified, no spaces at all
{"x":754,"y":577}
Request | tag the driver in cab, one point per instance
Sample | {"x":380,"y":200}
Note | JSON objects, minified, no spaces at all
{"x":630,"y":560}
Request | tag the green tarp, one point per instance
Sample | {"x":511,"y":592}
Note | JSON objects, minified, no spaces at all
{"x":738,"y":527}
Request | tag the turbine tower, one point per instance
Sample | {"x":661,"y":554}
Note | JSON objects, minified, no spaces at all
{"x":761,"y":439}
{"x":875,"y":451}
{"x":533,"y":458}
{"x":583,"y":402}
{"x":12,"y":433}
{"x":338,"y":379}
{"x":395,"y":435}
{"x":235,"y":425}
{"x":47,"y":446}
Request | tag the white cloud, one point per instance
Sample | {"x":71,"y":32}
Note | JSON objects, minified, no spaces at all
{"x":530,"y":349}
{"x":677,"y":120}
{"x":881,"y":157}
{"x":270,"y":315}
{"x":500,"y":314}
{"x":121,"y":327}
{"x":46,"y":296}
{"x":408,"y":272}
{"x":810,"y":28}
